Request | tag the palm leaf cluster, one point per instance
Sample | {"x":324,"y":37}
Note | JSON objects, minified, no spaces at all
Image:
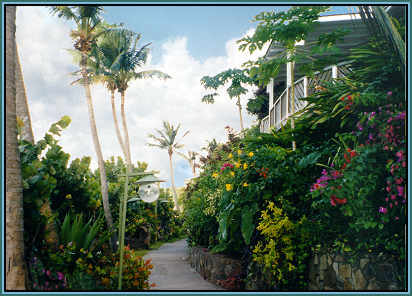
{"x":167,"y":138}
{"x":382,"y":26}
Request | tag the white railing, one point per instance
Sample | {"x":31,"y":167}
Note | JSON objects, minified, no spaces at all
{"x":281,"y":109}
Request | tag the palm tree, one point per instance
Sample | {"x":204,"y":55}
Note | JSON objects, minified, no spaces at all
{"x":118,"y":60}
{"x":167,"y":141}
{"x":15,"y":264}
{"x":111,"y":47}
{"x":129,"y":60}
{"x":191,"y":158}
{"x":89,"y":28}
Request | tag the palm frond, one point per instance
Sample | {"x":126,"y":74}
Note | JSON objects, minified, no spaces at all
{"x":65,"y":12}
{"x":152,"y":74}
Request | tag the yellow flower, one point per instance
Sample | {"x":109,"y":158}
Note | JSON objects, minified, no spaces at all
{"x":251,"y":154}
{"x":239,"y":152}
{"x":245,"y":184}
{"x":237,"y":165}
{"x":215,"y":175}
{"x":230,"y":155}
{"x":98,"y":203}
{"x":245,"y":166}
{"x":229,"y":187}
{"x":232,"y":174}
{"x":69,"y":196}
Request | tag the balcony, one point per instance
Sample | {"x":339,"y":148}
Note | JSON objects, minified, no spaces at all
{"x":281,"y":109}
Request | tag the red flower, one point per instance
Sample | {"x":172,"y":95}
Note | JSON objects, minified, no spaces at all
{"x":341,"y":201}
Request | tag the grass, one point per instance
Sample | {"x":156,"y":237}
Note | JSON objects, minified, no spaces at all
{"x":157,"y":245}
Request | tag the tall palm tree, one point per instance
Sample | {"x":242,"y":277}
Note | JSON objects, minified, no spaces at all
{"x":119,"y":60}
{"x":111,"y":47}
{"x":89,"y":28}
{"x":131,"y":60}
{"x":167,"y":141}
{"x":15,"y":264}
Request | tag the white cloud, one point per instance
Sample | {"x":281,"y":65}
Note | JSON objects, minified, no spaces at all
{"x":42,"y":40}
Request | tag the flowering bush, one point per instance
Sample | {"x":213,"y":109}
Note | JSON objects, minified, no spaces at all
{"x":43,"y":279}
{"x":283,"y":250}
{"x":367,"y":184}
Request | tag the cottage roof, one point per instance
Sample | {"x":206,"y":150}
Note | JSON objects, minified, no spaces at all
{"x":358,"y":35}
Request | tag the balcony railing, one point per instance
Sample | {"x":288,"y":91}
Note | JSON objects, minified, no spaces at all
{"x":304,"y":87}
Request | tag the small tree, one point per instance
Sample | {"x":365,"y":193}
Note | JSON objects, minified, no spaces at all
{"x":237,"y":77}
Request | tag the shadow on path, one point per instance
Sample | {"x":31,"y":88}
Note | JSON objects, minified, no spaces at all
{"x":172,"y":271}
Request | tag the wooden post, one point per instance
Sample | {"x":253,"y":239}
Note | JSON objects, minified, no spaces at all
{"x":334,"y":71}
{"x":305,"y":87}
{"x":269,"y":89}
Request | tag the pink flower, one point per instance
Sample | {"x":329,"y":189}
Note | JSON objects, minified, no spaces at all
{"x":388,"y":189}
{"x":399,"y":154}
{"x":386,"y":199}
{"x":396,"y":218}
{"x":389,"y":93}
{"x":391,"y":205}
{"x":48,"y":272}
{"x":60,"y":275}
{"x":393,"y":196}
{"x":396,"y":203}
{"x":383,"y":210}
{"x":399,"y":181}
{"x":400,"y":190}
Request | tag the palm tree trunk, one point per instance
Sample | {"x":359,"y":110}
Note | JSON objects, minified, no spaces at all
{"x":172,"y":178}
{"x":240,"y":113}
{"x":15,"y":264}
{"x":116,"y":124}
{"x":126,"y":132}
{"x":100,"y":161}
{"x":22,"y":106}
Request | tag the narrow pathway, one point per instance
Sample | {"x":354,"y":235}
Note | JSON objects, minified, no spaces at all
{"x":172,"y":271}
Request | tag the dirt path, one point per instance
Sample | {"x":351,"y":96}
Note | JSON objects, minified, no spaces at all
{"x":172,"y":271}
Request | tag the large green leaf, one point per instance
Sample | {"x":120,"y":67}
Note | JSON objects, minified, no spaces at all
{"x":310,"y":159}
{"x":247,"y":225}
{"x":223,"y":225}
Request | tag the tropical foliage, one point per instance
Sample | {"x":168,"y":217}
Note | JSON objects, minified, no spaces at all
{"x":342,"y":189}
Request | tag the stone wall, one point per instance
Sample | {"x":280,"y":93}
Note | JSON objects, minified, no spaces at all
{"x":216,"y":268}
{"x":327,"y":271}
{"x":370,"y":272}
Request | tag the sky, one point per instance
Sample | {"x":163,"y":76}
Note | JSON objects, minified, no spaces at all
{"x":188,"y":42}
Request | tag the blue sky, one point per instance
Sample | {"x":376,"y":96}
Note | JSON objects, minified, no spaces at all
{"x":207,"y":27}
{"x":188,"y":42}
